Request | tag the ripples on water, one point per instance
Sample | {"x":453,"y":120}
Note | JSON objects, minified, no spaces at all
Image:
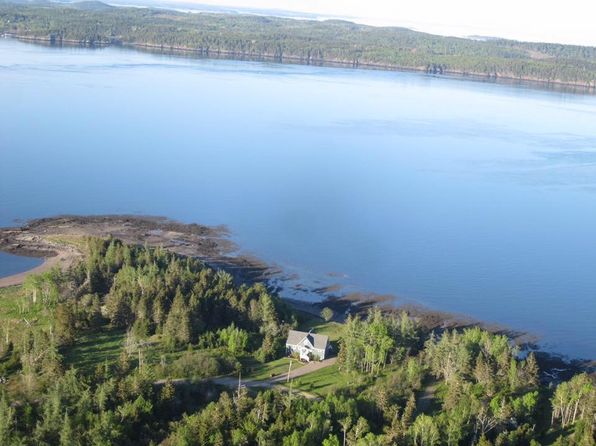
{"x":465,"y":196}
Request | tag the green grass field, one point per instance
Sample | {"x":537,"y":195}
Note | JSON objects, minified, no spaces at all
{"x":324,"y":381}
{"x":94,"y":348}
{"x":105,"y":345}
{"x":16,"y":305}
{"x":267,"y":370}
{"x":17,"y":312}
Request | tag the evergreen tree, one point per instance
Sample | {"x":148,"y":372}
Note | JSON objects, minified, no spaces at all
{"x":177,"y":330}
{"x":67,"y":436}
{"x":7,"y":419}
{"x":65,"y":323}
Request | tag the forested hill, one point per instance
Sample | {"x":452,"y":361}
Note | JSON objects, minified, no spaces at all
{"x":308,"y":42}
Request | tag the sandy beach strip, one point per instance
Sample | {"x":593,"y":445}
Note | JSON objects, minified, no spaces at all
{"x":63,"y":259}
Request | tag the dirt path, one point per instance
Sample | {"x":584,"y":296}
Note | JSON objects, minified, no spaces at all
{"x":426,"y":397}
{"x":232,"y":382}
{"x":279,"y":382}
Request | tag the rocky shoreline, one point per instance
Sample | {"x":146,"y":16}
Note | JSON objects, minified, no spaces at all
{"x":56,"y":238}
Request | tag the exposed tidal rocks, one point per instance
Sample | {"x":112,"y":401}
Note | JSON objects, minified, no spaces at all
{"x":60,"y":241}
{"x":61,"y":237}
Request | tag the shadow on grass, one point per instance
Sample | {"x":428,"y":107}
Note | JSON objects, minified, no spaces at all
{"x":94,"y":348}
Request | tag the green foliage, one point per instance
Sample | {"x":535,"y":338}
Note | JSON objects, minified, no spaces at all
{"x":177,"y":330}
{"x":332,"y":440}
{"x":201,"y":364}
{"x":234,"y":339}
{"x":327,"y":314}
{"x":65,"y":324}
{"x":308,"y":42}
{"x":574,"y":401}
{"x":7,"y":419}
{"x":158,"y":294}
{"x":424,"y":431}
{"x":144,"y":328}
{"x":368,"y":345}
{"x":268,"y":418}
{"x":476,"y":353}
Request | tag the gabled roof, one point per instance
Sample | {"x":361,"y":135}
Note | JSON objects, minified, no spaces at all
{"x":295,"y":337}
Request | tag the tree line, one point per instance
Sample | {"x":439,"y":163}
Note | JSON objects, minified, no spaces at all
{"x":308,"y":42}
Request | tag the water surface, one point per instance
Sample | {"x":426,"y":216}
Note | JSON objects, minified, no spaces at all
{"x":11,"y":264}
{"x":464,"y":196}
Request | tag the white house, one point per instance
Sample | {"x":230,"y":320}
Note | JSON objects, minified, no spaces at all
{"x":308,"y":345}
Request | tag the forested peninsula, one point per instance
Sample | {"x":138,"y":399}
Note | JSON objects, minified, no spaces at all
{"x":331,"y":42}
{"x":136,"y":343}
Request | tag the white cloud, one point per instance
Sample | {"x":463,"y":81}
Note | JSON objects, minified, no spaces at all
{"x":573,"y":21}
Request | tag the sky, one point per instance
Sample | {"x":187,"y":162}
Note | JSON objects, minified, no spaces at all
{"x":571,"y":21}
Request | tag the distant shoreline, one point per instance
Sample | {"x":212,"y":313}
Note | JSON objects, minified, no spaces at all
{"x":567,"y":87}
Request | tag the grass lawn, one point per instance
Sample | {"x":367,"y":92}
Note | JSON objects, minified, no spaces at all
{"x":105,"y":344}
{"x":324,"y":381}
{"x":94,"y":348}
{"x":17,"y":312}
{"x":309,"y":321}
{"x":259,"y":370}
{"x":16,"y":305}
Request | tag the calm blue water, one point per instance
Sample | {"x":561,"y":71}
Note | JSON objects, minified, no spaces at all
{"x":463,"y":196}
{"x":10,"y":264}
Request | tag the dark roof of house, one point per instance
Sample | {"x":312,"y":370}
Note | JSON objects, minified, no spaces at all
{"x":317,"y":340}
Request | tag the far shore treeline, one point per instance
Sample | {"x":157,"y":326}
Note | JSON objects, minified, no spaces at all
{"x":299,"y":41}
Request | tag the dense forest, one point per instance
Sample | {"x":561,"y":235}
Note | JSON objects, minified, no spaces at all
{"x":299,"y":41}
{"x":119,"y":348}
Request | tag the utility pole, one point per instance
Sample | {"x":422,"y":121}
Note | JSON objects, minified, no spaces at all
{"x":289,"y":371}
{"x":239,"y":394}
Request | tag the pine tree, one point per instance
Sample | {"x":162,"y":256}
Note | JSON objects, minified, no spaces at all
{"x":7,"y":420}
{"x":65,"y":322}
{"x":531,"y":371}
{"x":177,"y":329}
{"x":484,"y":442}
{"x":67,"y":436}
{"x":408,"y":415}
